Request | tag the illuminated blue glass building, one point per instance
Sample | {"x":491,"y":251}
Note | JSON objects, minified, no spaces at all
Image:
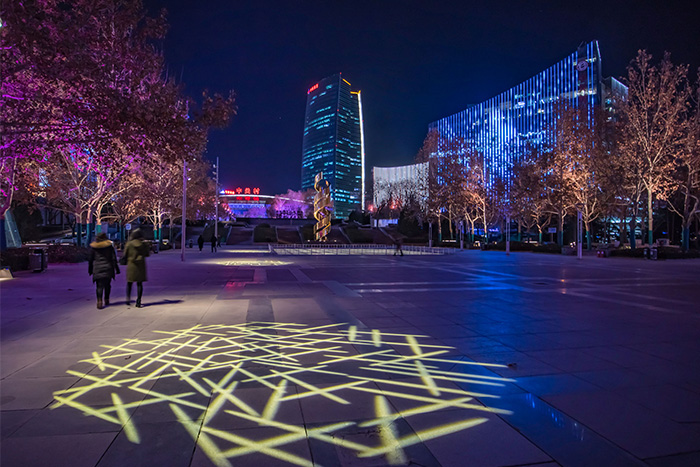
{"x":501,"y":126}
{"x":334,"y":143}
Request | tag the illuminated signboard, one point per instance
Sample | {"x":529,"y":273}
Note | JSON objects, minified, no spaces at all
{"x":243,"y":191}
{"x":210,"y":377}
{"x":312,"y":88}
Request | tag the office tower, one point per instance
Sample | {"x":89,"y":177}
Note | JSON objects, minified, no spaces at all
{"x":501,"y":126}
{"x":334,"y":143}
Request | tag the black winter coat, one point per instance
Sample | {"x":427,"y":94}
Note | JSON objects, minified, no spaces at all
{"x":103,"y":261}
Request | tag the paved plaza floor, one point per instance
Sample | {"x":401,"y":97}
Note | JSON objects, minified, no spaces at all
{"x":243,"y":357}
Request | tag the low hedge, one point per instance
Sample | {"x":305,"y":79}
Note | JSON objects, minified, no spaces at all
{"x":263,"y":233}
{"x":627,"y":253}
{"x":547,"y":248}
{"x":307,"y":232}
{"x":68,"y":253}
{"x":423,"y":239}
{"x":514,"y":246}
{"x":663,"y":252}
{"x":17,"y":259}
{"x":666,"y":252}
{"x":357,"y":235}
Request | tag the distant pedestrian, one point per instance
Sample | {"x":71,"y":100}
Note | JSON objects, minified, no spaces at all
{"x":102,"y":266}
{"x":200,"y":242}
{"x":398,"y":241}
{"x":218,"y":241}
{"x":135,"y":252}
{"x":213,"y":243}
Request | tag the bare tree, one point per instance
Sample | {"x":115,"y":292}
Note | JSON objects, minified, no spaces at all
{"x":654,"y":124}
{"x":683,"y":197}
{"x":528,"y":192}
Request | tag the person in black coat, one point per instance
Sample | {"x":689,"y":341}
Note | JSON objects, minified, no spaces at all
{"x":200,"y":242}
{"x":213,"y":243}
{"x":102,"y":266}
{"x":398,"y":241}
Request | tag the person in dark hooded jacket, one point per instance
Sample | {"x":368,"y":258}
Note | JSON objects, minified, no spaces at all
{"x":136,"y":251}
{"x":102,"y":266}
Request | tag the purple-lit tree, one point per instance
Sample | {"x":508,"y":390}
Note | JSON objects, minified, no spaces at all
{"x":83,"y":87}
{"x":292,"y":205}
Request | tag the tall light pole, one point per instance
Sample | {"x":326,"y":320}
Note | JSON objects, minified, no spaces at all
{"x":508,"y":235}
{"x":579,"y":234}
{"x":184,"y":210}
{"x":216,"y":206}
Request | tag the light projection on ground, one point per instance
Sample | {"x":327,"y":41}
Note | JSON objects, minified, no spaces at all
{"x":218,"y":380}
{"x":251,"y":262}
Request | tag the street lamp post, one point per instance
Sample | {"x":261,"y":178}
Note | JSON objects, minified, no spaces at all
{"x":216,"y":206}
{"x":508,"y":235}
{"x":579,"y":233}
{"x":184,"y":210}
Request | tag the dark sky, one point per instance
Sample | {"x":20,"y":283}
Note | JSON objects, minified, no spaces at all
{"x":415,"y":62}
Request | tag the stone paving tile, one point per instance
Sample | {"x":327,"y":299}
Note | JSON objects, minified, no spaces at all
{"x":447,"y":331}
{"x":679,"y":460}
{"x":64,"y":421}
{"x":12,"y":420}
{"x":616,"y":379}
{"x":31,"y":393}
{"x":555,"y":384}
{"x":673,"y":402}
{"x":163,"y":443}
{"x":491,"y":443}
{"x":638,"y":430}
{"x":519,"y":364}
{"x":252,"y":447}
{"x":83,"y":450}
{"x":623,"y":356}
{"x":570,"y":360}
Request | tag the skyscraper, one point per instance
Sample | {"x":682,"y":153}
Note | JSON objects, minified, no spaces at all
{"x":334,"y":143}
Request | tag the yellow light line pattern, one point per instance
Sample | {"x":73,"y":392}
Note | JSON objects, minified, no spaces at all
{"x":214,"y":377}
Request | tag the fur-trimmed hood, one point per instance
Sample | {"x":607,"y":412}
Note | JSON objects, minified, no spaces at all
{"x":102,"y":244}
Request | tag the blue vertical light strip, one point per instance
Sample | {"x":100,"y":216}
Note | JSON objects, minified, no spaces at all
{"x":502,"y":125}
{"x":362,"y":148}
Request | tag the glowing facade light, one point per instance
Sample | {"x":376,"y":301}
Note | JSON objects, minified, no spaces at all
{"x":209,"y":367}
{"x":502,"y":126}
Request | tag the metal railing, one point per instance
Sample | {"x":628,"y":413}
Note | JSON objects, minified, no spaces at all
{"x":355,"y":249}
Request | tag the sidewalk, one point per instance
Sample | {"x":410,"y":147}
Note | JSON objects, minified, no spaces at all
{"x":245,"y":358}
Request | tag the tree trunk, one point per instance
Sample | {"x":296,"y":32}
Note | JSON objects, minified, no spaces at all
{"x":450,"y":219}
{"x":588,"y":236}
{"x":79,"y":229}
{"x":560,"y":233}
{"x":623,"y":226}
{"x":3,"y":239}
{"x":651,"y":217}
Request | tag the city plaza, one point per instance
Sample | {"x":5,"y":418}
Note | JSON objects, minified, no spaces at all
{"x":245,"y":357}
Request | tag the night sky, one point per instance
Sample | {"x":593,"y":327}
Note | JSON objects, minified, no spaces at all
{"x":415,"y":62}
